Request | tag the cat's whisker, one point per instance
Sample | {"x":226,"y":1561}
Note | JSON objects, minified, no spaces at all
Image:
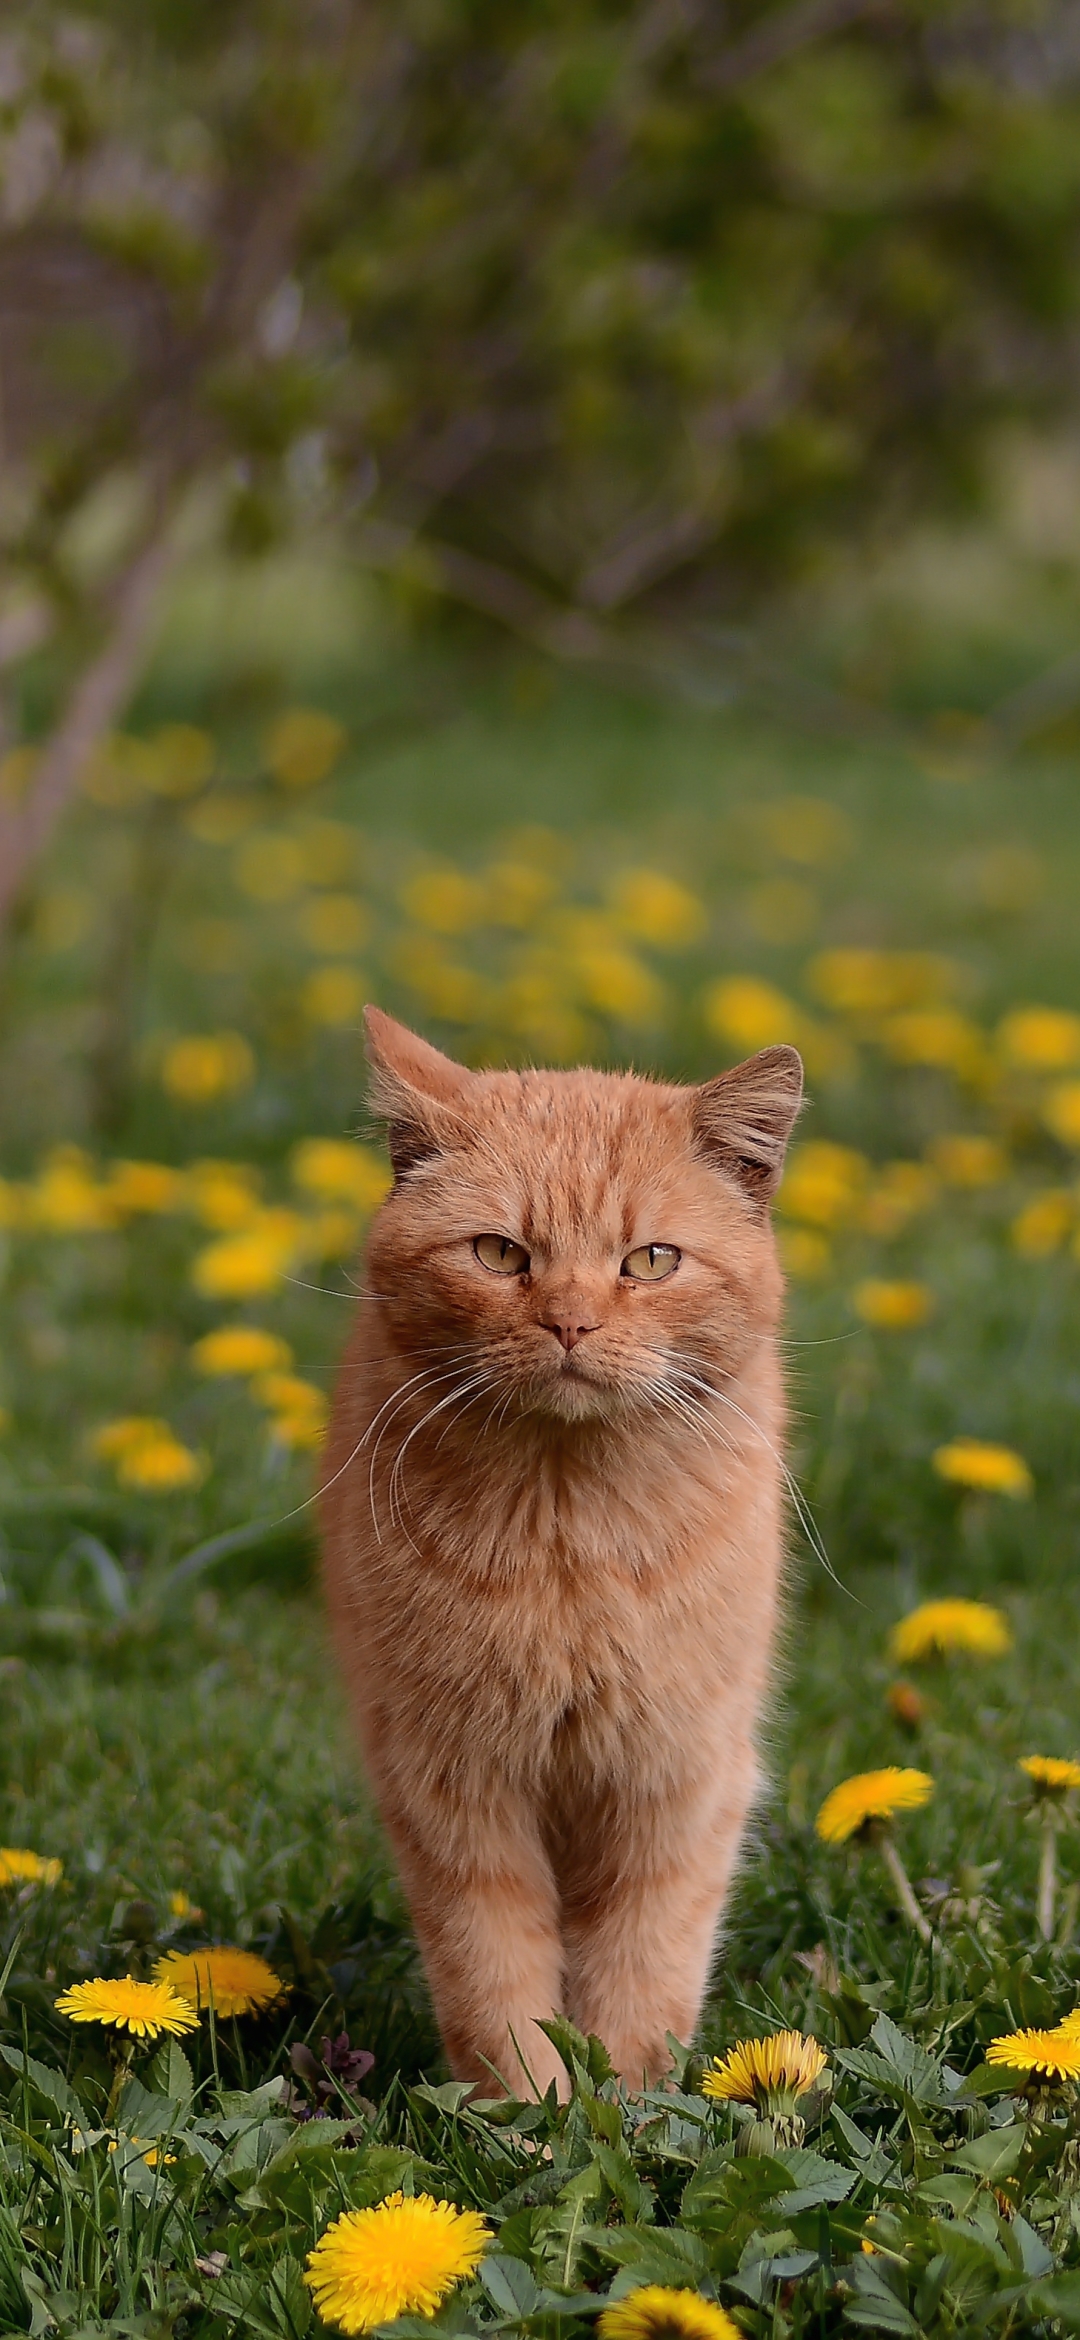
{"x":419,"y":1384}
{"x":453,"y":1397}
{"x":800,"y":1503}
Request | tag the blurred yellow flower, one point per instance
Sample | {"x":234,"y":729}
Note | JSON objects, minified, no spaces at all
{"x":977,"y":1462}
{"x":181,"y":1907}
{"x":145,"y":1186}
{"x":1041,"y":1039}
{"x":269,"y":867}
{"x":120,"y":1437}
{"x":457,"y":994}
{"x":224,"y":1195}
{"x":177,"y":759}
{"x":289,"y":1393}
{"x":222,"y":816}
{"x":877,"y":983}
{"x":241,"y":1349}
{"x":145,"y":2009}
{"x":1061,"y":1112}
{"x":619,"y":985}
{"x":937,"y":1626}
{"x":870,"y":1796}
{"x":1051,"y":1775}
{"x":515,"y":892}
{"x":823,"y":1184}
{"x":67,"y":1198}
{"x":301,"y":1432}
{"x":338,"y":1170}
{"x":333,"y":995}
{"x":444,"y":900}
{"x":1044,"y":1223}
{"x":750,"y":1013}
{"x":253,"y":1262}
{"x":963,"y":1158}
{"x":335,"y":924}
{"x":207,"y":1066}
{"x":160,"y":1465}
{"x":804,"y":1254}
{"x":897,"y":1193}
{"x":27,"y":1868}
{"x":302,"y":746}
{"x":656,"y":909}
{"x":892,"y":1306}
{"x":401,"y":2258}
{"x":940,"y":1037}
{"x":653,"y":2312}
{"x":763,"y":2071}
{"x":807,"y":829}
{"x":232,"y":1981}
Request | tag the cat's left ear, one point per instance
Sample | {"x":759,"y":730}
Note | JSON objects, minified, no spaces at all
{"x":744,"y":1118}
{"x":415,"y":1088}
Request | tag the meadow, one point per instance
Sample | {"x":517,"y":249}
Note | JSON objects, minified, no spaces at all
{"x":529,"y":865}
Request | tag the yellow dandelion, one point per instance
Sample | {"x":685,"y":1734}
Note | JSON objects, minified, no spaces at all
{"x":766,"y":2071}
{"x":67,"y":1198}
{"x":224,"y":1195}
{"x":1041,"y":1039}
{"x":937,"y":1626}
{"x":333,"y":995}
{"x":303,"y":745}
{"x":1051,"y":2055}
{"x":204,"y":1067}
{"x":823,"y":1184}
{"x":115,"y":1439}
{"x":234,"y":1982}
{"x":336,"y":924}
{"x":146,"y":2009}
{"x":1050,"y":1775}
{"x":869,"y":1796}
{"x":892,"y":1306}
{"x":1061,"y":1112}
{"x":182,"y":1909}
{"x":161,"y":1466}
{"x":656,"y":909}
{"x":27,"y":1868}
{"x":241,"y":1349}
{"x":804,"y":1253}
{"x":979,"y":1463}
{"x":245,"y":1266}
{"x":1044,"y":1223}
{"x":333,"y":1170}
{"x":402,"y":2258}
{"x":300,"y":1433}
{"x":963,"y":1159}
{"x":654,"y":2313}
{"x":145,"y":1186}
{"x":289,"y":1393}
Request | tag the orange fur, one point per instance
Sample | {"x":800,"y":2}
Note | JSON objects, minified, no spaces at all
{"x":553,"y":1570}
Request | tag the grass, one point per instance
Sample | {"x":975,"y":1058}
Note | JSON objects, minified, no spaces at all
{"x":170,"y":1719}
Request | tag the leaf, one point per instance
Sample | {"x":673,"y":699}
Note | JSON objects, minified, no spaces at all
{"x":655,"y":2254}
{"x":995,"y":2154}
{"x":1034,"y":2256}
{"x":171,"y":2073}
{"x":510,"y":2285}
{"x":49,"y":2084}
{"x":570,"y":2043}
{"x":635,"y":2198}
{"x":875,"y":2303}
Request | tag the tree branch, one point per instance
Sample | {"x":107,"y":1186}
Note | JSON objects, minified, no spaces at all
{"x":96,"y":698}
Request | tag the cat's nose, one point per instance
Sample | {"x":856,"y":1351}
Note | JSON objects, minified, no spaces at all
{"x":566,"y":1331}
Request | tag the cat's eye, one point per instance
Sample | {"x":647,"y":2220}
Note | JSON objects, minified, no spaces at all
{"x":651,"y":1262}
{"x":500,"y":1255}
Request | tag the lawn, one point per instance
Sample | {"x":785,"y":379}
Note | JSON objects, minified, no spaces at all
{"x":529,"y":865}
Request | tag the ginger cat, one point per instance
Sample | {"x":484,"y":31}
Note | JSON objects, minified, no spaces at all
{"x":553,"y":1525}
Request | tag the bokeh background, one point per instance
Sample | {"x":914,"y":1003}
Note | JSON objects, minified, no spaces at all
{"x":563,"y":520}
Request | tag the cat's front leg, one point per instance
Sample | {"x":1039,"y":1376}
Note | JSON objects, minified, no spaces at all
{"x":486,"y":1920}
{"x":640,"y":1936}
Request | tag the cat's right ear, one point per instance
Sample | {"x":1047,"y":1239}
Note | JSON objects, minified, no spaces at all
{"x":417,"y":1090}
{"x":744,"y":1118}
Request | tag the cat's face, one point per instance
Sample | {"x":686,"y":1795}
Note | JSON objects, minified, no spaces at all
{"x":577,"y":1244}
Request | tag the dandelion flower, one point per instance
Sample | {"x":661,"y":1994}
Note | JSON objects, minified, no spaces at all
{"x":656,"y":909}
{"x":333,"y":995}
{"x":906,"y":1704}
{"x":1061,"y":1112}
{"x":1052,"y":1775}
{"x":1052,"y":2055}
{"x":1043,"y":1224}
{"x":1042,"y":1039}
{"x":204,"y":1067}
{"x":333,"y":1170}
{"x":241,"y":1349}
{"x":892,"y":1306}
{"x":654,"y":2313}
{"x":303,"y":745}
{"x":145,"y":1186}
{"x":824,"y":1184}
{"x":251,"y":1262}
{"x":978,"y":1463}
{"x":27,"y":1868}
{"x":937,"y":1626}
{"x":182,"y":1908}
{"x":399,"y":2259}
{"x":234,"y":1982}
{"x":764,"y":2071}
{"x":145,"y":2009}
{"x":161,"y":1466}
{"x":869,"y":1796}
{"x":962,"y":1158}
